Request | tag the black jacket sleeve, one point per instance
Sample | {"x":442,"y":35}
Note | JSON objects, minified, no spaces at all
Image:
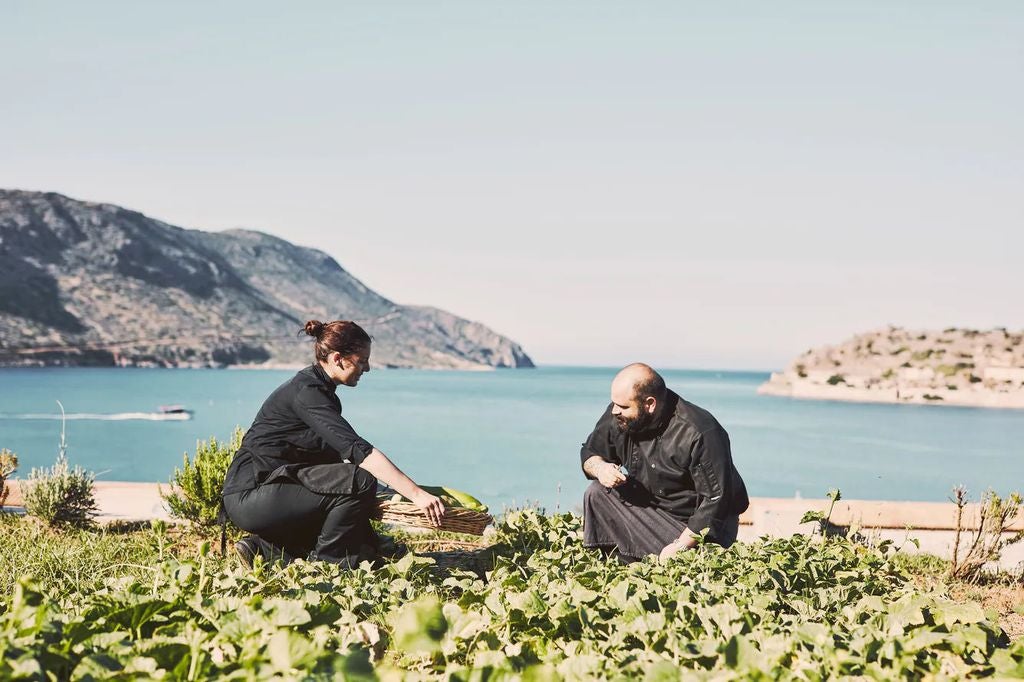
{"x":601,"y":441}
{"x":323,"y":416}
{"x":712,"y":470}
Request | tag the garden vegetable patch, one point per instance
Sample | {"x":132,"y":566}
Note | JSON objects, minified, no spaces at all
{"x":798,"y":608}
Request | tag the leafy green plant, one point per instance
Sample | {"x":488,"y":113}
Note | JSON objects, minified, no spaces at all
{"x":836,"y":379}
{"x":196,"y":487}
{"x":60,"y":495}
{"x":792,"y":608}
{"x":8,"y":465}
{"x":823,"y":519}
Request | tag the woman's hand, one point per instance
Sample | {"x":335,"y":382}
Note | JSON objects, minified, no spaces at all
{"x":378,"y":464}
{"x":431,"y":505}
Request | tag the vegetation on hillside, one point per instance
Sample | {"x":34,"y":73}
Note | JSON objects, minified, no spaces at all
{"x":965,"y":366}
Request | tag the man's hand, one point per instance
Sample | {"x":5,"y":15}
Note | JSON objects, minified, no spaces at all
{"x":431,"y":505}
{"x":684,"y":542}
{"x":605,"y":472}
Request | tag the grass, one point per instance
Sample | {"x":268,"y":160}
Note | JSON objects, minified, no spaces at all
{"x":75,"y":560}
{"x":72,"y":560}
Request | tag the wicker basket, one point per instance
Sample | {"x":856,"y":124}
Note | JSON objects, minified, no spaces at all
{"x":456,"y":519}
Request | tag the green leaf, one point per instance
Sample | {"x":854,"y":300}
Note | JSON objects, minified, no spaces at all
{"x":284,"y":612}
{"x":741,"y":654}
{"x":950,"y":613}
{"x":419,"y":626}
{"x":810,"y":516}
{"x":663,"y":671}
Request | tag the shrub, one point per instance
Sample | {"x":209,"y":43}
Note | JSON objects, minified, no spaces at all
{"x":197,"y":486}
{"x":8,"y":465}
{"x":61,"y":495}
{"x":835,"y":379}
{"x":995,"y":516}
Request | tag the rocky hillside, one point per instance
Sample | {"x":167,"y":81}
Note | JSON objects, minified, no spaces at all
{"x":949,"y":367}
{"x":96,"y":284}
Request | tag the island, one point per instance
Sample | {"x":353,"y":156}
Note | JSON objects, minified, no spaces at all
{"x":965,"y":367}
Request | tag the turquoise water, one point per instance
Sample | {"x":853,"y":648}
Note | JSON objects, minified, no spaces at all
{"x":513,"y":436}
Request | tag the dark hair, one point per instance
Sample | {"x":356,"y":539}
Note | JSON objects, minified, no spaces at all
{"x":341,"y":336}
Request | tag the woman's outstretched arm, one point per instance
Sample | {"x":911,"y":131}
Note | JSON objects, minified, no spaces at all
{"x":378,"y":464}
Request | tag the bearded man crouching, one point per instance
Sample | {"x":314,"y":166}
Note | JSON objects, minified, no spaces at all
{"x":663,"y":473}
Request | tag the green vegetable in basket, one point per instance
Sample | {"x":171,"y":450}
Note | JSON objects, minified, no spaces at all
{"x":456,"y":498}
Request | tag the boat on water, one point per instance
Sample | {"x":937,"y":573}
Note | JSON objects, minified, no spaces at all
{"x":174,"y":412}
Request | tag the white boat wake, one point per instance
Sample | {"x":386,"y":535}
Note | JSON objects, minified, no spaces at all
{"x":117,"y":416}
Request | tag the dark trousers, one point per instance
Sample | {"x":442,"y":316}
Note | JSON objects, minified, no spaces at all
{"x":294,"y":522}
{"x":623,"y":520}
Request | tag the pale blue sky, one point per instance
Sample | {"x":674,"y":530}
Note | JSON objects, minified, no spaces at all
{"x":690,"y":184}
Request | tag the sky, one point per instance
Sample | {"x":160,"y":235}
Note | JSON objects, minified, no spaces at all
{"x":694,"y":185}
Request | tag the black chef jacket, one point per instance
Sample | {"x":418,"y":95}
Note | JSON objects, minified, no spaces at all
{"x":299,"y":426}
{"x":682,"y":464}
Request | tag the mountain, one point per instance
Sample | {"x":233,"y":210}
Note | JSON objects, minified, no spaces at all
{"x":967,"y":367}
{"x":96,"y":284}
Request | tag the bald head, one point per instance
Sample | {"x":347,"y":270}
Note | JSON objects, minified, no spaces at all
{"x":637,"y":382}
{"x":637,"y":393}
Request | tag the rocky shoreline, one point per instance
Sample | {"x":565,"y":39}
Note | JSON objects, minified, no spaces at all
{"x":806,"y":390}
{"x":953,"y":367}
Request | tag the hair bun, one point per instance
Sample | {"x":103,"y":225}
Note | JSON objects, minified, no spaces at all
{"x":314,"y":328}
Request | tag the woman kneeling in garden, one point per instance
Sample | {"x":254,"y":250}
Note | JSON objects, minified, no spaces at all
{"x":303,"y":482}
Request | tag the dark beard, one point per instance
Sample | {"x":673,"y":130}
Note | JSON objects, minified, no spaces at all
{"x":639,"y":423}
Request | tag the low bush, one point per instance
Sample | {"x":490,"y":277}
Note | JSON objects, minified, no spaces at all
{"x":984,"y":545}
{"x":196,"y":487}
{"x":60,"y":495}
{"x":8,"y":465}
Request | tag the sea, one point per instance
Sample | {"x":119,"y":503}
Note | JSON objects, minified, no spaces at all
{"x":512,"y":437}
